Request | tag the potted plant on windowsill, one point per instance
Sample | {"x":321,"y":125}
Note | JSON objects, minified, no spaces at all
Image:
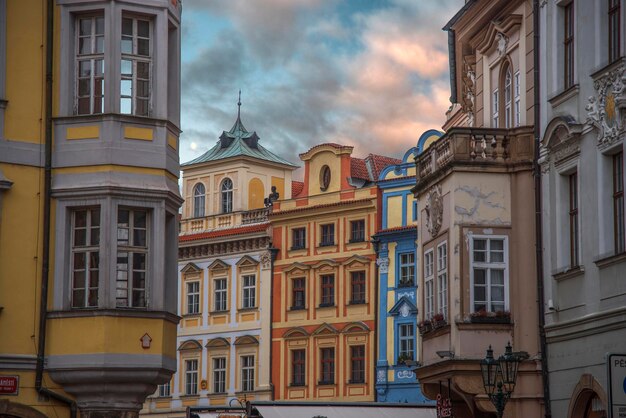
{"x":425,"y":326}
{"x":406,"y":283}
{"x":484,"y":317}
{"x":403,"y":358}
{"x":438,"y":321}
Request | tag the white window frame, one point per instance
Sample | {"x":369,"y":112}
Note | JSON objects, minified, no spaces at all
{"x":409,"y":339}
{"x":487,"y":265}
{"x":517,"y":98}
{"x":193,"y":297}
{"x":407,"y":269}
{"x":247,"y":373}
{"x":226,"y":195}
{"x":199,"y":193}
{"x":508,"y":84}
{"x":131,"y":249}
{"x":135,"y":60}
{"x":429,"y":284}
{"x":219,"y":374}
{"x":165,"y":390}
{"x":191,"y":377}
{"x":248,"y":291}
{"x":442,"y":279}
{"x":494,"y":106}
{"x":93,"y":57}
{"x":220,"y":295}
{"x":88,"y":250}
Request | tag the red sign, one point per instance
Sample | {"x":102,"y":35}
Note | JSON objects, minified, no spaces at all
{"x":9,"y":385}
{"x":444,"y":407}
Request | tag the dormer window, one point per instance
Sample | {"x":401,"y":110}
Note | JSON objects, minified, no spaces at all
{"x":226,"y":191}
{"x":324,"y":178}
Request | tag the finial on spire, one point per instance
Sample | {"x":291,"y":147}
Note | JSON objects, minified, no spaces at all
{"x":239,"y":105}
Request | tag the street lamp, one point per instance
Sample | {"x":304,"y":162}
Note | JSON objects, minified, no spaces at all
{"x":499,"y":376}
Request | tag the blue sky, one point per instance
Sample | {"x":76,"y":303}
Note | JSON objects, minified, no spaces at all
{"x":367,"y":73}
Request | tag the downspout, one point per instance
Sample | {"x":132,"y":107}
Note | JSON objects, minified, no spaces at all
{"x":376,"y":244}
{"x":45,"y":259}
{"x":273,"y":253}
{"x":538,"y":220}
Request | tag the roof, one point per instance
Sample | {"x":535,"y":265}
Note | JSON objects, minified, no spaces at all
{"x":238,"y":142}
{"x":296,"y":188}
{"x":358,"y":169}
{"x":330,"y":144}
{"x":370,"y":167}
{"x":324,"y":205}
{"x":260,"y":227}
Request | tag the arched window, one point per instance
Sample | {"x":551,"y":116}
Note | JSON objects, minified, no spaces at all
{"x":226,"y":191}
{"x":507,"y":97}
{"x":198,"y":200}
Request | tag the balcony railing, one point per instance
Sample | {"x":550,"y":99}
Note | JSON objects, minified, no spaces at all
{"x":254,"y":216}
{"x":475,"y":147}
{"x":223,"y":220}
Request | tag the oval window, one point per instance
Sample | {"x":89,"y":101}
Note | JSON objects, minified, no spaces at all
{"x":324,"y":178}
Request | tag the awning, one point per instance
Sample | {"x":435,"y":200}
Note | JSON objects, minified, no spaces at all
{"x":297,"y":411}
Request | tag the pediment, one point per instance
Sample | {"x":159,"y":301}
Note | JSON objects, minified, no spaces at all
{"x":297,"y":266}
{"x":506,"y":27}
{"x":325,"y":329}
{"x":298,"y":332}
{"x":247,"y":261}
{"x":246,"y":339}
{"x":217,"y":343}
{"x":190,"y":345}
{"x":356,"y":327}
{"x":357,"y":259}
{"x":403,"y":307}
{"x":191,"y":268}
{"x":560,"y":130}
{"x":325,"y":263}
{"x":218,"y":265}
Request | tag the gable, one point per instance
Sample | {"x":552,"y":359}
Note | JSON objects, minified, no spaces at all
{"x":403,"y":308}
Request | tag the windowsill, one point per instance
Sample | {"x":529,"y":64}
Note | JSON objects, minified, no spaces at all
{"x":255,"y":308}
{"x":297,"y":385}
{"x":224,"y":312}
{"x":405,"y":285}
{"x":356,"y":241}
{"x":610,"y":260}
{"x":297,"y":308}
{"x":162,"y":398}
{"x":218,"y":393}
{"x":190,"y":396}
{"x":357,"y":302}
{"x":569,"y":273}
{"x":297,"y":248}
{"x":326,"y":305}
{"x":436,"y":332}
{"x":112,"y":116}
{"x":360,"y":382}
{"x":192,"y":315}
{"x":608,"y":67}
{"x":326,"y":244}
{"x":121,"y":312}
{"x":564,"y":95}
{"x":322,"y":383}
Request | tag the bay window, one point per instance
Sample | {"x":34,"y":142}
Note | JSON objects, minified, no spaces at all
{"x":132,"y":257}
{"x":429,"y":302}
{"x":85,"y":257}
{"x":442,"y":279}
{"x":89,"y":65}
{"x":136,"y":66}
{"x":489,"y":274}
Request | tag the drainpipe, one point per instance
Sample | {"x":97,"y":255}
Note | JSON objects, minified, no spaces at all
{"x":376,"y":244}
{"x":538,"y":225}
{"x":273,"y":253}
{"x":45,"y":263}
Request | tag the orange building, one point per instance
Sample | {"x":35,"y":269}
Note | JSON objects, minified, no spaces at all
{"x":323,"y":290}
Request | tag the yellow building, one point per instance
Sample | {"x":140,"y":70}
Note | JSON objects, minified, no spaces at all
{"x":324,"y":292}
{"x":88,"y":204}
{"x":225,"y":275}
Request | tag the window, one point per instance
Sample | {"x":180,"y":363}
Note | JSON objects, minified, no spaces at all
{"x":135,"y":67}
{"x":132,"y":257}
{"x":298,"y":367}
{"x":299,"y":294}
{"x":568,"y":44}
{"x":508,"y":81}
{"x":516,"y":98}
{"x":573,"y":219}
{"x":191,"y":377}
{"x":90,"y":65}
{"x":328,"y":235}
{"x":407,"y":343}
{"x":298,"y":238}
{"x":247,"y":373}
{"x":328,"y":290}
{"x":429,"y":303}
{"x":407,"y":269}
{"x":495,"y":106}
{"x":220,"y":295}
{"x":198,"y":200}
{"x":219,"y":375}
{"x":193,"y":297}
{"x":357,"y":364}
{"x":227,"y":195}
{"x":357,"y":231}
{"x":357,"y":279}
{"x":618,"y":202}
{"x":164,"y":390}
{"x":489,"y":274}
{"x":415,"y":210}
{"x":328,"y":366}
{"x":442,"y":279}
{"x":324,"y":178}
{"x":614,"y":30}
{"x":249,"y":292}
{"x":85,"y":257}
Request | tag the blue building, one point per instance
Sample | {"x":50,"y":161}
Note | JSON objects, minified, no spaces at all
{"x":398,"y":349}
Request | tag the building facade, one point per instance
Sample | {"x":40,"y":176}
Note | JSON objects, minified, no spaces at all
{"x":224,"y":275}
{"x":475,"y":198}
{"x":88,"y":199}
{"x":323,"y":290}
{"x":583,"y":74}
{"x":397,"y":285}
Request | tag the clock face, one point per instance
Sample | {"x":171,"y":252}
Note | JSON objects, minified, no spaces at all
{"x":324,"y":177}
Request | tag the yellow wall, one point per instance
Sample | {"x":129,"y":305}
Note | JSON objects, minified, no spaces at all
{"x":279,"y":182}
{"x":24,"y":74}
{"x":394,"y":211}
{"x":256,"y":194}
{"x":321,"y":159}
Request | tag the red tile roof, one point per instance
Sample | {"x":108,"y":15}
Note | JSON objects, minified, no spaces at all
{"x":225,"y":232}
{"x":398,"y":228}
{"x":358,"y":169}
{"x":379,"y":162}
{"x":296,"y":188}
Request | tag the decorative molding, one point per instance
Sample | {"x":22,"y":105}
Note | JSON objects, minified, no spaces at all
{"x":502,"y":43}
{"x":266,"y":260}
{"x":222,"y":248}
{"x":383,"y":265}
{"x":469,"y":88}
{"x":604,"y":110}
{"x":434,"y":210}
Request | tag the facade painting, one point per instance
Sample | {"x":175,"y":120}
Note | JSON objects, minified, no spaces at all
{"x":582,"y":177}
{"x":323,"y":311}
{"x":398,"y":337}
{"x":224,"y":276}
{"x":476,"y":241}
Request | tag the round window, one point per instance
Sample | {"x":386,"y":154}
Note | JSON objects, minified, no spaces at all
{"x":324,"y":178}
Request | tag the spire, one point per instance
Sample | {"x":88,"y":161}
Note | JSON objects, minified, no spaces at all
{"x":239,"y":105}
{"x":238,"y":129}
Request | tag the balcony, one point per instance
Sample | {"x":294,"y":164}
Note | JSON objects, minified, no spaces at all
{"x":475,"y":149}
{"x":224,"y":220}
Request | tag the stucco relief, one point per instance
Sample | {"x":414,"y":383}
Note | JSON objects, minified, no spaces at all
{"x":266,"y":260}
{"x":502,"y":43}
{"x":469,"y":89}
{"x":475,"y":206}
{"x":604,"y":109}
{"x":383,"y":264}
{"x":434,"y":210}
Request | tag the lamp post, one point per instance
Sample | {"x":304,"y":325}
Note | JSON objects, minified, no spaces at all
{"x":499,"y":376}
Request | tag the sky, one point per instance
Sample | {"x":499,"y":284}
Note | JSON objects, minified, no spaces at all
{"x":368,"y":73}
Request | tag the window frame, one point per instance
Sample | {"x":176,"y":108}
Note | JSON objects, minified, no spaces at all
{"x":614,"y":30}
{"x":250,"y":290}
{"x":568,"y":45}
{"x":135,"y":59}
{"x":165,"y":390}
{"x":247,"y":373}
{"x":92,"y":57}
{"x":573,"y":216}
{"x":488,"y":265}
{"x":226,"y":195}
{"x":199,"y":200}
{"x":495,"y":111}
{"x":294,"y":292}
{"x":403,"y":265}
{"x":619,"y":236}
{"x":219,"y":371}
{"x":191,"y":377}
{"x":193,"y":297}
{"x":298,"y":238}
{"x":357,"y":364}
{"x":358,"y":287}
{"x":131,"y":249}
{"x":517,"y":106}
{"x":357,"y":234}
{"x":327,"y":290}
{"x":407,"y":350}
{"x":327,"y":235}
{"x":327,"y":366}
{"x":88,"y":250}
{"x":223,"y":293}
{"x":429,"y":283}
{"x":298,"y":367}
{"x":442,"y":279}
